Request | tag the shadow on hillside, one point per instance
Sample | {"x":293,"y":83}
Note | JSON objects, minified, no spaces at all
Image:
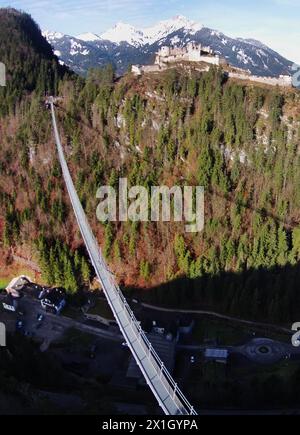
{"x":265,"y":295}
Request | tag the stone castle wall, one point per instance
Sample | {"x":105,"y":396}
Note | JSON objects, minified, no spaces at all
{"x":284,"y":81}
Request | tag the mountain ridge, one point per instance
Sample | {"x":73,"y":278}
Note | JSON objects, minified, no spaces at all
{"x":124,"y":45}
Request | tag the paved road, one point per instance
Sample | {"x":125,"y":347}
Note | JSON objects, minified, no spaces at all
{"x":218,"y":316}
{"x":259,"y":350}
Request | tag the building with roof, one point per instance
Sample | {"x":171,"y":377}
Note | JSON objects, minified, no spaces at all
{"x":216,"y":355}
{"x":10,"y":303}
{"x":53,"y":299}
{"x":185,"y":325}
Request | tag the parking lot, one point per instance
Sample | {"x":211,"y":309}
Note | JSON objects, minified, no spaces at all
{"x":33,"y":322}
{"x":47,"y":327}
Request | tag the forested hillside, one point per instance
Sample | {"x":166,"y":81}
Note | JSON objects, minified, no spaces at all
{"x":240,"y":141}
{"x":28,"y":57}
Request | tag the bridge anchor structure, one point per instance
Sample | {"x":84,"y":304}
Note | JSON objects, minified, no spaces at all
{"x":166,"y":391}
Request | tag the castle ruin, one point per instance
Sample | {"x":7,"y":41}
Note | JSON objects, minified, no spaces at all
{"x":167,"y":57}
{"x":192,"y":52}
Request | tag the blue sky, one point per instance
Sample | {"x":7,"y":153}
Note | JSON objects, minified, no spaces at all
{"x":274,"y":22}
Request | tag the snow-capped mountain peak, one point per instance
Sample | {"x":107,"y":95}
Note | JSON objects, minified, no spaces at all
{"x":88,"y":37}
{"x":124,"y":44}
{"x":166,"y":27}
{"x":123,"y":32}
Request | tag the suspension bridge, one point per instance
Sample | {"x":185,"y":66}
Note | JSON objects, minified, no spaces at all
{"x":169,"y":396}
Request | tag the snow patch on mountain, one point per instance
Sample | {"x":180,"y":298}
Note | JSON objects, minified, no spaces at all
{"x":253,"y":42}
{"x":52,"y":36}
{"x":175,"y":40}
{"x":122,"y":32}
{"x":215,"y":33}
{"x":166,"y":27}
{"x":76,"y":48}
{"x":88,"y":37}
